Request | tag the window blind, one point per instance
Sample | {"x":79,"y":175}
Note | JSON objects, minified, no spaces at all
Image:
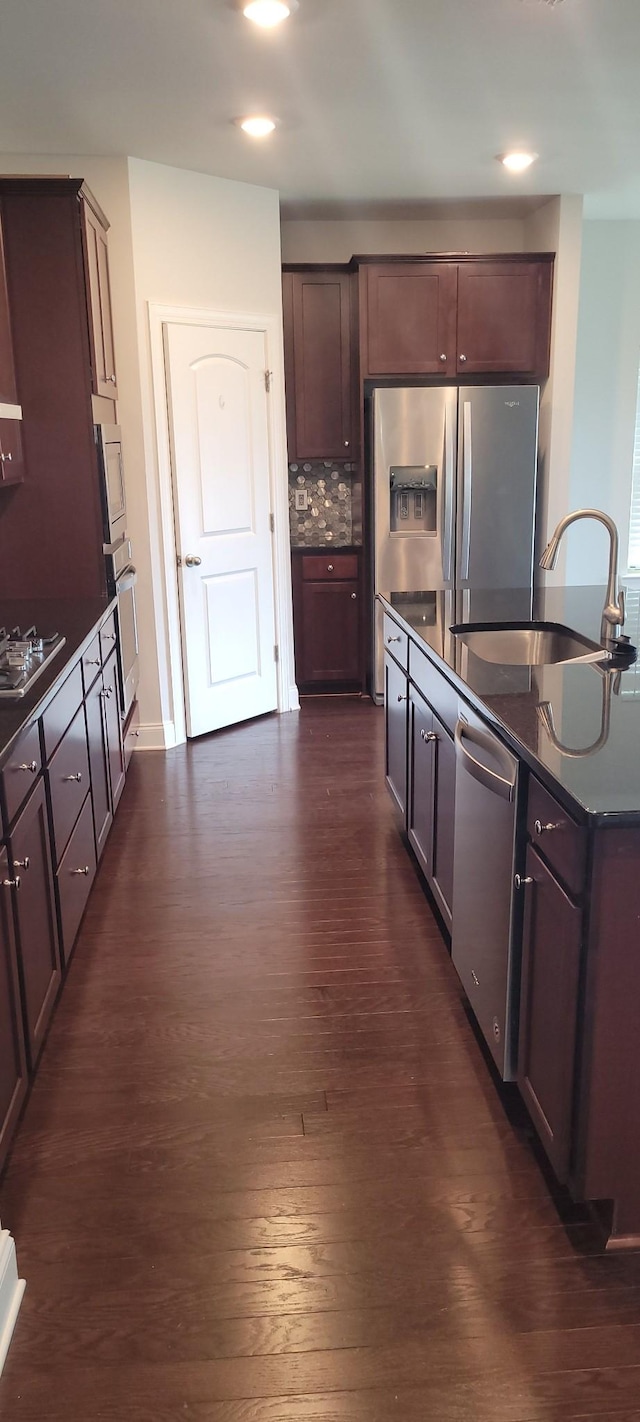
{"x":634,"y":520}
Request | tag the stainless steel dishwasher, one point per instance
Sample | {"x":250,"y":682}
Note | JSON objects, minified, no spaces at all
{"x":483,"y":882}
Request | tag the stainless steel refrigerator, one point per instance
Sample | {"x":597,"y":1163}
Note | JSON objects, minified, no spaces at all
{"x":454,"y":474}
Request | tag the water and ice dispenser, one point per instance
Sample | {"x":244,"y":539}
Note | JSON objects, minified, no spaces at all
{"x":413,"y":492}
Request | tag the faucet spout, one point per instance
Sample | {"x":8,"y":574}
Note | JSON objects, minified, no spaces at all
{"x":613,"y":611}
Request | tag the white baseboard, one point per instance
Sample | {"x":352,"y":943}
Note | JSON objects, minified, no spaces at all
{"x":294,"y":699}
{"x":11,"y":1291}
{"x":160,"y":735}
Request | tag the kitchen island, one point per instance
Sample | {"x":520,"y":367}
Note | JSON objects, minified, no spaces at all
{"x":574,"y":976}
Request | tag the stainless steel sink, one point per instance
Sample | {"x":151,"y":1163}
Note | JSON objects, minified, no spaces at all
{"x":528,"y":644}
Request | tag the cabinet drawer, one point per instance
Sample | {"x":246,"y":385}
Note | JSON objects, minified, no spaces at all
{"x":434,"y":686}
{"x":62,"y":710}
{"x":91,"y":663}
{"x":339,"y":566}
{"x":396,"y":642}
{"x":75,"y":877}
{"x":561,"y":841}
{"x":108,"y":637}
{"x":132,"y":733}
{"x":20,"y":772}
{"x":68,"y":776}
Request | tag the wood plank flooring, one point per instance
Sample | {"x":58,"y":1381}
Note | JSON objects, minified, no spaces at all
{"x":265,"y":1174}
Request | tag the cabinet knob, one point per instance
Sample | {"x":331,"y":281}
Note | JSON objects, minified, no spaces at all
{"x":329,"y":567}
{"x":443,"y":357}
{"x":12,"y":883}
{"x":108,"y":636}
{"x":6,"y":458}
{"x":429,"y":735}
{"x":93,"y":662}
{"x":192,"y":560}
{"x":462,"y":359}
{"x":77,"y":777}
{"x":22,"y":863}
{"x":107,"y":692}
{"x":353,"y":597}
{"x":81,"y":871}
{"x":521,"y":879}
{"x":346,"y":445}
{"x":111,"y":379}
{"x":31,"y":765}
{"x":543,"y":829}
{"x":392,"y":639}
{"x":402,"y":698}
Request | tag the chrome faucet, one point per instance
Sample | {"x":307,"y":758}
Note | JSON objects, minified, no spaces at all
{"x":613,"y":611}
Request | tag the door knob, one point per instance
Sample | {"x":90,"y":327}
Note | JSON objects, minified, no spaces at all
{"x":192,"y":560}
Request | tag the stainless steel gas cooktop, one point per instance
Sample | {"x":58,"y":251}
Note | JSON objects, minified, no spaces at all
{"x":23,"y":656}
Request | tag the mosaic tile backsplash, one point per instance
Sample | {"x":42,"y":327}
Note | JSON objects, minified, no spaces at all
{"x":332,"y":492}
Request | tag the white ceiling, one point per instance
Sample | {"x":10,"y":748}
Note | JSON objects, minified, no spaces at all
{"x":379,"y":100}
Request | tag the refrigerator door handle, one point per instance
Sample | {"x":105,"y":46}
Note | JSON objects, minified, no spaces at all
{"x":447,"y":497}
{"x":467,"y":478}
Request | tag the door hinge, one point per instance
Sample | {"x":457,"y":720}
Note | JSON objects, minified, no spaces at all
{"x":276,"y":653}
{"x":268,"y":377}
{"x":272,"y":522}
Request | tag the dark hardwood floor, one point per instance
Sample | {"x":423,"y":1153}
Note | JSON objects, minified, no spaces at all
{"x":265,"y":1174}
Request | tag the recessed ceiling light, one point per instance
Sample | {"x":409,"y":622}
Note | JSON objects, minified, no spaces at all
{"x":517,"y":162}
{"x":268,"y":13}
{"x":258,"y":125}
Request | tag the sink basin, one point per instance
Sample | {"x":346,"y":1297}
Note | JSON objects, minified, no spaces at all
{"x":527,"y":644}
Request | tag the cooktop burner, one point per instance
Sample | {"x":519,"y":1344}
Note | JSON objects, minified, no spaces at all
{"x":23,"y":656}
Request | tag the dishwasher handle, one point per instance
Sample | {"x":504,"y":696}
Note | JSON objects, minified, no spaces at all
{"x":503,"y":785}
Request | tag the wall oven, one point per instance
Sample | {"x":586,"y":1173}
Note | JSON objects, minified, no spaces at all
{"x":121,"y":574}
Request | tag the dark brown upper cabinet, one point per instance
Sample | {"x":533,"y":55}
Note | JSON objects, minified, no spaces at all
{"x":8,"y":391}
{"x":51,"y":529}
{"x":319,"y":364}
{"x":411,"y":318}
{"x":456,"y":317}
{"x":504,"y":318}
{"x":103,"y":365}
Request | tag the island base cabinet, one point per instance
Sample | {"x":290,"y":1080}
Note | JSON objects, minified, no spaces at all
{"x":548,"y":1009}
{"x":420,"y":806}
{"x":99,"y":763}
{"x":34,"y":901}
{"x":75,"y":877}
{"x":13,"y":1067}
{"x":444,"y":820}
{"x":395,"y":712}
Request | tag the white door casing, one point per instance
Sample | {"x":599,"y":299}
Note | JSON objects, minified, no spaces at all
{"x":219,"y":434}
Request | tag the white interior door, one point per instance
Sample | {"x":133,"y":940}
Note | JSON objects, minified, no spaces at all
{"x":220,"y":462}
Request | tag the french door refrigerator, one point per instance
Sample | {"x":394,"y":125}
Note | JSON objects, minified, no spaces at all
{"x":454,"y":492}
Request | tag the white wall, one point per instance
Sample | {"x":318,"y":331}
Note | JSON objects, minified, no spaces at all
{"x":337,"y":241}
{"x":605,"y":393}
{"x":557,"y":227}
{"x":211,"y":244}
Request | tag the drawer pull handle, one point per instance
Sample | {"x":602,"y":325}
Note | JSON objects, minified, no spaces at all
{"x":443,"y":357}
{"x":429,"y":735}
{"x":463,"y":358}
{"x":31,"y":765}
{"x":329,"y":567}
{"x":94,"y":662}
{"x":77,"y":777}
{"x":108,"y":691}
{"x":12,"y":883}
{"x":86,"y":870}
{"x":393,"y":639}
{"x":401,"y":698}
{"x":521,"y":879}
{"x":543,"y":829}
{"x":353,"y":597}
{"x":7,"y":457}
{"x":22,"y":863}
{"x":108,"y":636}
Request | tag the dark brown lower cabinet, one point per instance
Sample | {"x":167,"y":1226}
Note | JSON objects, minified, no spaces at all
{"x":75,"y":877}
{"x":328,"y":639}
{"x":38,"y":947}
{"x":99,"y":763}
{"x":11,"y":455}
{"x":548,"y":1009}
{"x":111,"y":700}
{"x":431,"y":799}
{"x":13,"y":1065}
{"x":396,"y":689}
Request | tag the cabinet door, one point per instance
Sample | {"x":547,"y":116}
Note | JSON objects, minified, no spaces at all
{"x":38,"y":949}
{"x":99,"y":763}
{"x":322,"y":366}
{"x":396,"y":723}
{"x":548,"y":1009}
{"x":8,"y":394}
{"x":11,"y":455}
{"x":13,"y":1067}
{"x":443,"y":819}
{"x":328,"y":639}
{"x":117,"y":769}
{"x":504,"y":318}
{"x":411,"y":324}
{"x":99,"y":297}
{"x":422,"y":750}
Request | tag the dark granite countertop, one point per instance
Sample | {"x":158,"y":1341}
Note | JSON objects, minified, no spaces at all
{"x":585,"y":743}
{"x":326,"y":547}
{"x":76,"y":621}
